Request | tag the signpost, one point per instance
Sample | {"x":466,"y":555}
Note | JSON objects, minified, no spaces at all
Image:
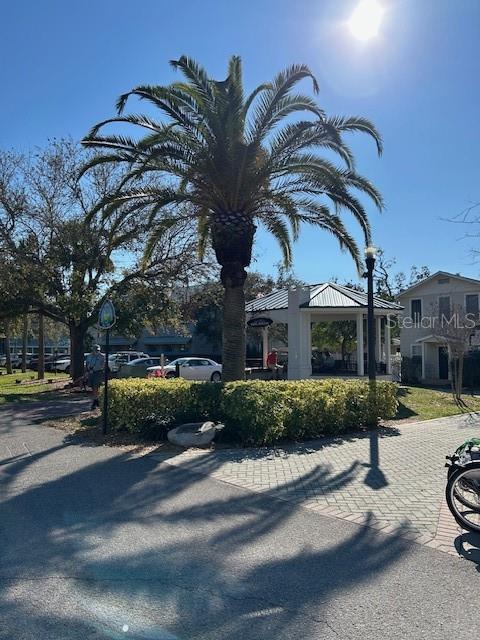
{"x":106,"y":320}
{"x":262,"y":323}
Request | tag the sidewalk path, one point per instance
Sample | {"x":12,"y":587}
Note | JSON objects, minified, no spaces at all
{"x":392,"y":478}
{"x":97,"y":544}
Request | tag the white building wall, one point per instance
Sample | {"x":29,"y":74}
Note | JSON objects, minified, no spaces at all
{"x":299,"y":335}
{"x":429,"y":293}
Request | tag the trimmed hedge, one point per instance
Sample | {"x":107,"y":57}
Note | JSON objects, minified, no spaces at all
{"x":255,"y":412}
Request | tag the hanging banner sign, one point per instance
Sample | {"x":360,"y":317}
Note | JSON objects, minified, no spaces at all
{"x":106,"y":316}
{"x":259,"y":322}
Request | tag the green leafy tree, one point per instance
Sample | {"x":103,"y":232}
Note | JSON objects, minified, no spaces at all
{"x":238,"y":161}
{"x":204,"y":308}
{"x":63,"y":262}
{"x":338,"y":336}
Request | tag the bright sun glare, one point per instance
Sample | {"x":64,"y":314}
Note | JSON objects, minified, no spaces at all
{"x":365,"y":21}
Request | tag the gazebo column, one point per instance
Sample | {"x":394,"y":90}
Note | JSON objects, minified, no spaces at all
{"x":264,"y":346}
{"x":388,"y":346}
{"x":378,"y":334}
{"x":360,"y":363}
{"x":299,"y":335}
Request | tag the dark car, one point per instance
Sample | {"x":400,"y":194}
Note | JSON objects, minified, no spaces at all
{"x":49,"y":360}
{"x":138,"y":368}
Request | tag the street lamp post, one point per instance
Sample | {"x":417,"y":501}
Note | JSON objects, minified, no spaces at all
{"x":370,"y":254}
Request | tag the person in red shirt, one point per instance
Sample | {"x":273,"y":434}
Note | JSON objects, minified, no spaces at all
{"x":272,"y":362}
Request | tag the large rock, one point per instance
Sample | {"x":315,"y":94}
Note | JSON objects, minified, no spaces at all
{"x":194,"y":434}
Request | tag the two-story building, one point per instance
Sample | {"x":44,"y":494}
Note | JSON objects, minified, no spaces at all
{"x":440,"y":295}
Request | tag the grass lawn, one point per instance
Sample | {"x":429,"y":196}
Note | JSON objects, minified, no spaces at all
{"x":28,"y":389}
{"x":417,"y":403}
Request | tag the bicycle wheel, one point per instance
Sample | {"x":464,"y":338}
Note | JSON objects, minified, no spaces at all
{"x":463,"y":496}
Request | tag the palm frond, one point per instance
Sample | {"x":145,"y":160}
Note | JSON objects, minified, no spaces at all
{"x":266,"y":86}
{"x":122,"y":143}
{"x":156,"y":236}
{"x":305,"y":134}
{"x":357,"y":123}
{"x":105,"y":159}
{"x":160,"y":97}
{"x":277,"y":227}
{"x":268,"y":113}
{"x":195,"y":74}
{"x":135,"y":119}
{"x":362,"y":184}
{"x":321,"y":217}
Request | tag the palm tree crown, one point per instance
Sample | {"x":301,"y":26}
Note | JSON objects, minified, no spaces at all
{"x":236,"y":161}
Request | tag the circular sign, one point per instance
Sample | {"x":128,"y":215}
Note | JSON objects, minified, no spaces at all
{"x":106,"y":317}
{"x":259,"y":322}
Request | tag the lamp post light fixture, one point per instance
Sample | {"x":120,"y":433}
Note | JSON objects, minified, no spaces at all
{"x":370,"y":255}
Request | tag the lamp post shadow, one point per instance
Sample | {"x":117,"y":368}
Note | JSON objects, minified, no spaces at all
{"x":375,"y":477}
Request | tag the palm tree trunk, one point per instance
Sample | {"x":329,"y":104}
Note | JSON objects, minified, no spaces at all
{"x":233,"y":367}
{"x":41,"y":347}
{"x":24,"y":342}
{"x":232,"y":240}
{"x":8,"y":355}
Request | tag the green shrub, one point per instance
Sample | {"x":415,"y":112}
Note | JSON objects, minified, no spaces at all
{"x":255,"y":412}
{"x":134,"y":402}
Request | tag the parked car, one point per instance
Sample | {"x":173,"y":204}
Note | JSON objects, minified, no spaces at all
{"x":116,"y":360}
{"x":138,"y":368}
{"x":49,"y":360}
{"x":191,"y":369}
{"x":16,"y":360}
{"x":61,"y":364}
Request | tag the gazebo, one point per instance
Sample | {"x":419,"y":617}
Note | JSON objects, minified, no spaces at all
{"x":299,"y":307}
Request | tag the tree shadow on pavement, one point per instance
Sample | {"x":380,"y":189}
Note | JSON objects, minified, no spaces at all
{"x":127,"y":547}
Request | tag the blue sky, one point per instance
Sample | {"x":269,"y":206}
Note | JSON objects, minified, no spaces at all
{"x":63,"y":64}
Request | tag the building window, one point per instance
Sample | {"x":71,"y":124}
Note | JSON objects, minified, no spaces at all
{"x":443,"y":280}
{"x":416,"y":311}
{"x":471,"y":303}
{"x":444,"y":306}
{"x":416,"y":350}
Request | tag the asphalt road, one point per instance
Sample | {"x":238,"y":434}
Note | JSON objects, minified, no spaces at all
{"x":96,"y":544}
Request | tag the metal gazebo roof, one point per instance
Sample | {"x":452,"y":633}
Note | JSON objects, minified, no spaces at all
{"x":328,"y":295}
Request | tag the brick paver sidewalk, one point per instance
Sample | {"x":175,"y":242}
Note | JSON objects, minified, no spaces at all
{"x":392,"y":479}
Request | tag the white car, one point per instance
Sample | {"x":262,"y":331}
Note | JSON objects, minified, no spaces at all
{"x":190,"y":369}
{"x":62,"y":364}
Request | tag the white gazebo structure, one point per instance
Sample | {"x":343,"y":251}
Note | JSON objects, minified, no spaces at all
{"x":299,"y":307}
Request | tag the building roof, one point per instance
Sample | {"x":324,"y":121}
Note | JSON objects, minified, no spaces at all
{"x":166,"y":339}
{"x":327,"y":295}
{"x":431,"y":338}
{"x":445,"y":274}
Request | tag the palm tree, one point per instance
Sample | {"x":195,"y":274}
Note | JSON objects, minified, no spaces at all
{"x":234,"y":162}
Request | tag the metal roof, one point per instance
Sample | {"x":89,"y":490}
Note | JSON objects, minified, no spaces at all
{"x":328,"y":295}
{"x":275,"y":300}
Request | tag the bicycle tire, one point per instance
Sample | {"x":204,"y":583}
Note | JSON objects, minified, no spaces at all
{"x":451,"y":495}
